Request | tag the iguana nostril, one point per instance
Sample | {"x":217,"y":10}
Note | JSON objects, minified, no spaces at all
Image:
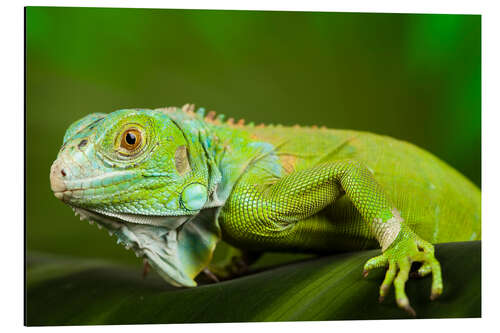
{"x":82,"y":143}
{"x":56,"y":181}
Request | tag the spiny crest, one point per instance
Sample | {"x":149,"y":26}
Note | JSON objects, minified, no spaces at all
{"x":211,"y":116}
{"x":218,"y":119}
{"x":168,"y":109}
{"x":188,"y":108}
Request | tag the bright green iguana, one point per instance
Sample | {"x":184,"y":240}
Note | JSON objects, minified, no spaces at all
{"x":170,"y":183}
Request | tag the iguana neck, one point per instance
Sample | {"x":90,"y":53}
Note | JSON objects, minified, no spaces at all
{"x":223,"y":151}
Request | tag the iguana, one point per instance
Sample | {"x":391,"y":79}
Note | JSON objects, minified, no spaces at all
{"x":171,"y":182}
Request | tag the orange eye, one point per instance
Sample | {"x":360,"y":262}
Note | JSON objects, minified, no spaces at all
{"x":131,"y":139}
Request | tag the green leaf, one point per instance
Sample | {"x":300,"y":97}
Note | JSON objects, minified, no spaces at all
{"x":62,"y":291}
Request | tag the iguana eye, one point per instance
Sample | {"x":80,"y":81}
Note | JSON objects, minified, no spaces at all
{"x":131,"y":139}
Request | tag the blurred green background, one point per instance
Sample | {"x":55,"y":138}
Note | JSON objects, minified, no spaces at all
{"x":413,"y":77}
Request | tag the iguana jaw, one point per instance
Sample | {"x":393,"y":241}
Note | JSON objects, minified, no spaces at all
{"x":156,"y":243}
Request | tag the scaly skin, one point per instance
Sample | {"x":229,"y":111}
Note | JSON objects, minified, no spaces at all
{"x":184,"y":180}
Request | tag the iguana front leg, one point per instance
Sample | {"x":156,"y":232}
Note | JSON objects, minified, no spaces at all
{"x":271,"y":212}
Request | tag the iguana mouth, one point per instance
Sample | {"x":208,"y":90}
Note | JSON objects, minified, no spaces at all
{"x":158,"y":243}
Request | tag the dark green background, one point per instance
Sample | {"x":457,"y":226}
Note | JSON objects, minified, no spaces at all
{"x":414,"y":77}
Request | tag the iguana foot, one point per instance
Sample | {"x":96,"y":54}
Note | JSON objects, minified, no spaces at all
{"x":405,"y":249}
{"x":234,"y":265}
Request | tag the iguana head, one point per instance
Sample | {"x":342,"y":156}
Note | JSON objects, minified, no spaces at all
{"x":144,"y":178}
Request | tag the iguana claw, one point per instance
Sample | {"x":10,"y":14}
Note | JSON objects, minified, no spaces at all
{"x":211,"y":275}
{"x":407,"y":248}
{"x":146,"y":269}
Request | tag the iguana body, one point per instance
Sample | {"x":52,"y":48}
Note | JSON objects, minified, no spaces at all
{"x":171,"y":182}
